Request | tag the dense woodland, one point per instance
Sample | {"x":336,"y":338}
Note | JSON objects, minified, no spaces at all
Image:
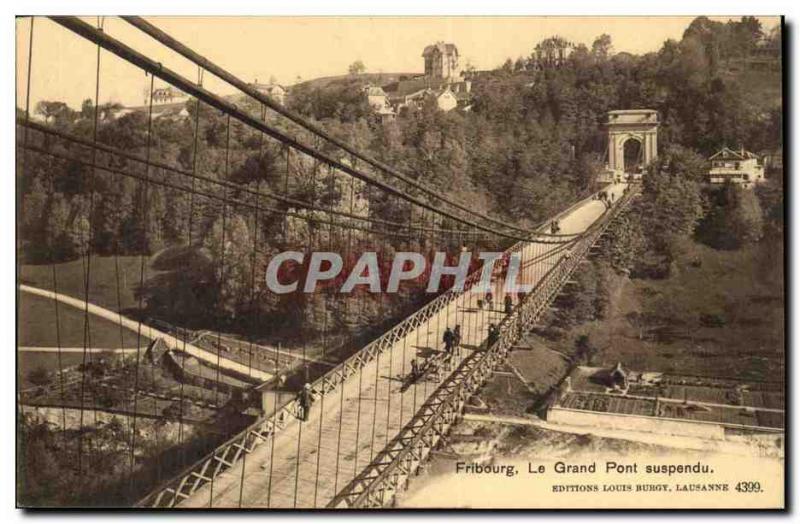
{"x":532,"y":143}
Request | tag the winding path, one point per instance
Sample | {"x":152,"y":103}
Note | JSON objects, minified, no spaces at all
{"x":171,"y":341}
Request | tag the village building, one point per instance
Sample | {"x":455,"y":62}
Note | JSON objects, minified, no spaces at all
{"x":737,"y":167}
{"x":376,"y":97}
{"x":166,"y":95}
{"x":385,"y":114}
{"x":167,"y":111}
{"x":273,"y":90}
{"x":413,"y":93}
{"x":443,"y":81}
{"x":379,"y":103}
{"x":446,"y":100}
{"x":441,"y":61}
{"x":767,"y":53}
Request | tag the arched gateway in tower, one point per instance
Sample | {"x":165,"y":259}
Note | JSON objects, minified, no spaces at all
{"x":632,"y":139}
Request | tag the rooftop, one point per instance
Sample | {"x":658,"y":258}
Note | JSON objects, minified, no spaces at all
{"x":633,"y":117}
{"x":631,"y":111}
{"x":654,"y":394}
{"x":410,"y":86}
{"x":729,"y":154}
{"x":445,"y":49}
{"x":266,"y":87}
{"x":374,"y":91}
{"x":673,"y":409}
{"x":403,"y":88}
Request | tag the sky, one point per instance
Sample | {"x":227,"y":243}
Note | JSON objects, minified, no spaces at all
{"x":288,"y":48}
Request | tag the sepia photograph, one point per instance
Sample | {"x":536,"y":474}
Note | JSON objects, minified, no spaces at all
{"x":400,"y":262}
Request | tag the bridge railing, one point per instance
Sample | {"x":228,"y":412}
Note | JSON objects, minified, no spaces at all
{"x":226,"y":455}
{"x":377,"y":484}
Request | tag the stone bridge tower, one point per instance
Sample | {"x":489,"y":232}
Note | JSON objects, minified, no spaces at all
{"x":639,"y":125}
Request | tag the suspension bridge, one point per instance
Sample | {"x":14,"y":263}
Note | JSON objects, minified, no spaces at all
{"x":373,"y":422}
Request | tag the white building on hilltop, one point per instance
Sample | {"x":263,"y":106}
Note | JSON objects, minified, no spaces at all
{"x":379,"y":103}
{"x":165,"y":95}
{"x":273,"y":90}
{"x":738,"y":167}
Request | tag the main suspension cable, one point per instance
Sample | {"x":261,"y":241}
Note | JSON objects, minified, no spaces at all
{"x":173,"y":44}
{"x":134,"y":57}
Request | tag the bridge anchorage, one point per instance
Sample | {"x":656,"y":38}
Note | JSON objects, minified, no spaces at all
{"x":632,"y":140}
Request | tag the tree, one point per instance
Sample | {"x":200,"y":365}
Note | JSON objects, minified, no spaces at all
{"x":357,"y":68}
{"x":57,"y":113}
{"x":628,"y":243}
{"x":55,"y":233}
{"x":671,"y":204}
{"x":677,"y":160}
{"x":733,"y":220}
{"x":585,"y":351}
{"x":87,"y":108}
{"x":749,"y":31}
{"x":231,"y":246}
{"x":183,"y":287}
{"x":469,"y":68}
{"x":601,"y":47}
{"x":39,"y":376}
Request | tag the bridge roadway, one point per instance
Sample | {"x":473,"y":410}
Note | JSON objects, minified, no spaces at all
{"x":357,"y":420}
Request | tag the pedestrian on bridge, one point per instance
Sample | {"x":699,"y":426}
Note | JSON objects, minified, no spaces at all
{"x":555,"y":228}
{"x":494,"y":335}
{"x":448,"y":338}
{"x":457,"y":339}
{"x":488,"y":298}
{"x":305,"y":398}
{"x":509,"y":304}
{"x":414,"y":370}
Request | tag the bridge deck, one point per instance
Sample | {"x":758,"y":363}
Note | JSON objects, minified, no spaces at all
{"x":358,"y":419}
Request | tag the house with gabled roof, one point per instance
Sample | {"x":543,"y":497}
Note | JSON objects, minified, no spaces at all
{"x":273,"y":90}
{"x":737,"y":167}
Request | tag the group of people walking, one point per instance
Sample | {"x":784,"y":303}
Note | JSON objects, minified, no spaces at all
{"x":607,"y":197}
{"x":451,"y":338}
{"x":488,"y":301}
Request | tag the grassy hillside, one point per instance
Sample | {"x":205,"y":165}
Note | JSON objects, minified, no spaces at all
{"x":720,"y":313}
{"x":105,"y":273}
{"x":38,"y":320}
